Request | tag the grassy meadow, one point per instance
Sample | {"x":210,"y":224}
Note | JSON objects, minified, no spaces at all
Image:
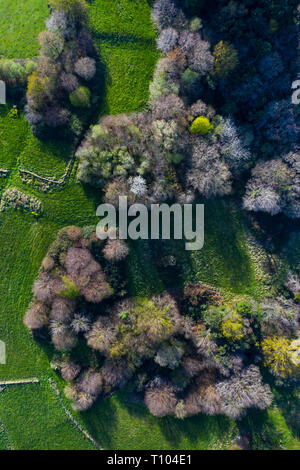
{"x":21,"y":22}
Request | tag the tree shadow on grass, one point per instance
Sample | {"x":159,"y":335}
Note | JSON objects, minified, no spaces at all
{"x":198,"y":429}
{"x":101,"y":420}
{"x":224,"y":260}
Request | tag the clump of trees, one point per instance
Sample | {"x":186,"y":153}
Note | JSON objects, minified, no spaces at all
{"x":184,"y":352}
{"x":183,"y":145}
{"x":62,"y":87}
{"x":274,"y":186}
{"x":15,"y":73}
{"x":69,"y":279}
{"x":15,"y":199}
{"x":128,"y":155}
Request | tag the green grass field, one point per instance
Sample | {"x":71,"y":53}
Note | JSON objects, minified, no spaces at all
{"x":21,"y":22}
{"x":13,"y":132}
{"x":35,"y":419}
{"x":48,"y":159}
{"x":31,"y":416}
{"x":124,"y":35}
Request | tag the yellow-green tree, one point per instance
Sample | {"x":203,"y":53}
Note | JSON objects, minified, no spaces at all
{"x":201,"y":125}
{"x":232,"y":327}
{"x":279,"y":356}
{"x":39,"y":89}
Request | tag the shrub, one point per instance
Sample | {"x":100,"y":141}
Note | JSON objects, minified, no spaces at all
{"x":85,"y":68}
{"x":65,"y":340}
{"x":293,"y":283}
{"x":180,"y":411}
{"x":226,"y":59}
{"x":160,"y":400}
{"x":52,"y":45}
{"x":48,"y":263}
{"x":200,"y":58}
{"x":69,"y":82}
{"x":196,"y":297}
{"x":167,"y":40}
{"x":90,"y":382}
{"x":70,"y":371}
{"x":277,"y":353}
{"x":115,"y":250}
{"x":206,"y":172}
{"x":166,"y":14}
{"x":75,"y":9}
{"x":82,"y":401}
{"x":70,"y":290}
{"x":80,"y":98}
{"x":62,"y":309}
{"x":80,"y":324}
{"x":36,"y":316}
{"x":13,"y":198}
{"x":232,"y":327}
{"x":61,"y":24}
{"x":201,"y":125}
{"x":243,"y":391}
{"x":169,"y":354}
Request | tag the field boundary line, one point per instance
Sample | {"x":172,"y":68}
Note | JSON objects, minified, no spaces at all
{"x":34,"y":380}
{"x":50,"y":181}
{"x":71,"y":417}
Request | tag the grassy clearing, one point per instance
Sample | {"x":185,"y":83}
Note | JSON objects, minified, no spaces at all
{"x":270,"y":430}
{"x":119,"y":424}
{"x":21,"y":21}
{"x":18,"y":147}
{"x":48,"y":159}
{"x":13,"y":132}
{"x":125,"y":38}
{"x":36,"y":420}
{"x":225,"y":261}
{"x":23,"y":242}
